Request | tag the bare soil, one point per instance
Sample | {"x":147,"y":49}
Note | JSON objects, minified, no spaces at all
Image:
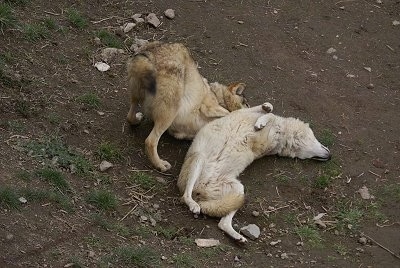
{"x":279,"y":49}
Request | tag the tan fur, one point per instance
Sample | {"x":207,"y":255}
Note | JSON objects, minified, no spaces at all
{"x":165,"y":80}
{"x":225,"y":147}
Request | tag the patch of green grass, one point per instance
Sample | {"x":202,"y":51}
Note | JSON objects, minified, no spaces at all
{"x":42,"y":195}
{"x":90,"y":100}
{"x":16,"y":125}
{"x":348,"y":217}
{"x":54,"y":177}
{"x":23,"y":107}
{"x":53,"y":118}
{"x":8,"y":198}
{"x":108,"y":151}
{"x":331,"y":168}
{"x":76,"y":262}
{"x":53,"y":146}
{"x":5,"y":57}
{"x":341,"y":249}
{"x":93,"y":241}
{"x":143,"y":231}
{"x":391,"y":191}
{"x":187,"y":241}
{"x":290,"y":218}
{"x":109,"y":39}
{"x":76,"y":18}
{"x":184,"y":260}
{"x":168,"y":232}
{"x":144,"y":180}
{"x":322,"y":181}
{"x":35,"y":31}
{"x":17,"y":2}
{"x":6,"y":16}
{"x":102,"y":199}
{"x":137,"y":257}
{"x":309,"y":235}
{"x":50,"y":23}
{"x":24,"y":175}
{"x":326,"y":137}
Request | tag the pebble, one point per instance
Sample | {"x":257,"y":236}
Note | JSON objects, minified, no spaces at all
{"x":255,"y":213}
{"x":300,"y":244}
{"x":236,"y":259}
{"x":156,"y":206}
{"x":104,"y":165}
{"x":97,"y":41}
{"x":72,"y":169}
{"x":153,"y":20}
{"x":129,"y":26}
{"x":163,"y":258}
{"x":109,"y":53}
{"x":240,"y":21}
{"x":395,"y":23}
{"x":335,"y":57}
{"x":370,"y":86}
{"x":331,"y":50}
{"x":379,"y":1}
{"x":137,"y":18}
{"x":169,"y":13}
{"x":22,"y":200}
{"x":101,"y":66}
{"x":91,"y":254}
{"x":269,"y":255}
{"x":369,"y":69}
{"x":284,"y":256}
{"x":206,"y":243}
{"x":252,"y":231}
{"x":143,"y":218}
{"x":9,"y":236}
{"x":362,"y":240}
{"x":274,"y":243}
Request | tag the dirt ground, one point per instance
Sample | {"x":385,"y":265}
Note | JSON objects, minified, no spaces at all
{"x":335,"y":64}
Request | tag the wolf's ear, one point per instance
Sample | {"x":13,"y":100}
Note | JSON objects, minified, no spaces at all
{"x":213,"y":111}
{"x":237,"y":88}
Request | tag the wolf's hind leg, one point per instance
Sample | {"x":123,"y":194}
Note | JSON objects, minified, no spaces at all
{"x":225,"y":224}
{"x":133,"y":117}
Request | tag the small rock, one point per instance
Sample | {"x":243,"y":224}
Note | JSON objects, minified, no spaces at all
{"x":101,"y":66}
{"x":9,"y":236}
{"x":272,"y":225}
{"x":143,"y":218}
{"x":364,"y":192}
{"x":153,"y":20}
{"x":369,"y":69}
{"x":240,"y":21}
{"x":129,"y":26}
{"x":274,"y":243}
{"x":395,"y":23}
{"x":169,"y":13}
{"x":362,"y":240}
{"x":284,"y":256}
{"x":137,"y":18}
{"x":252,"y":231}
{"x":86,"y":131}
{"x":350,"y":75}
{"x":331,"y":50}
{"x":97,"y":41}
{"x":342,"y":7}
{"x":163,"y":258}
{"x":269,"y":255}
{"x":100,"y":113}
{"x":72,"y":169}
{"x":336,"y":232}
{"x":255,"y":213}
{"x":104,"y":165}
{"x":300,"y":243}
{"x":138,"y":44}
{"x":335,"y":57}
{"x":22,"y":200}
{"x":91,"y":254}
{"x":236,"y":259}
{"x":153,"y":222}
{"x":109,"y":53}
{"x":156,"y":206}
{"x":370,"y":86}
{"x":378,"y":1}
{"x":206,"y":243}
{"x":54,"y":160}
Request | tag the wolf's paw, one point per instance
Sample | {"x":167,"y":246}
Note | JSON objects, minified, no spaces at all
{"x":241,"y":239}
{"x":194,"y":207}
{"x":261,"y":122}
{"x":139,"y":116}
{"x":163,"y":165}
{"x":267,"y":107}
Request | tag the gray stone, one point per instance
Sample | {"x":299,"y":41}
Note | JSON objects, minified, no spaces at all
{"x":104,"y":165}
{"x":252,"y":231}
{"x":153,"y":20}
{"x":169,"y":13}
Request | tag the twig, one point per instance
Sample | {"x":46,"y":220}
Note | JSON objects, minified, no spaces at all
{"x":373,"y":173}
{"x":51,"y":13}
{"x":109,"y":18}
{"x":277,"y":191}
{"x":129,"y":212}
{"x":389,"y":47}
{"x":275,"y":209}
{"x":382,"y":246}
{"x":387,"y":225}
{"x":243,"y":45}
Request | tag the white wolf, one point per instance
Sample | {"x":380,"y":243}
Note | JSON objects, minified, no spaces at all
{"x":225,"y":147}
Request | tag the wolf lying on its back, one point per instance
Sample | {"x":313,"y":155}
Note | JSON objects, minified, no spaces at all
{"x":225,"y":147}
{"x":165,"y":78}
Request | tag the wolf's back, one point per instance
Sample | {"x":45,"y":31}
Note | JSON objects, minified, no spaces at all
{"x":141,"y":76}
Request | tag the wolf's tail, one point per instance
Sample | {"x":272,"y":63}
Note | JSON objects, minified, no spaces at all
{"x":141,"y":76}
{"x":221,"y":207}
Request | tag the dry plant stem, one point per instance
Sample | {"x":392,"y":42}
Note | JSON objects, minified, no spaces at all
{"x":382,"y":246}
{"x":129,"y":212}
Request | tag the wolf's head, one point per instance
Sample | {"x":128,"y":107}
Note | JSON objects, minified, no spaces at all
{"x":298,"y":140}
{"x":230,"y":97}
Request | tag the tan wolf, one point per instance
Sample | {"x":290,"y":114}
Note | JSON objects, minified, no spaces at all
{"x":165,"y":79}
{"x":223,"y":148}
